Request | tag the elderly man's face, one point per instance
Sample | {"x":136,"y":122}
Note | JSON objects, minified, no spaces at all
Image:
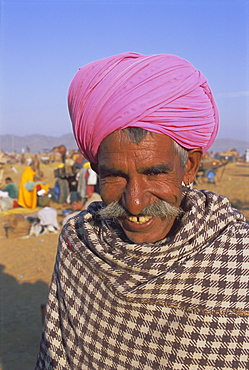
{"x":139,"y":175}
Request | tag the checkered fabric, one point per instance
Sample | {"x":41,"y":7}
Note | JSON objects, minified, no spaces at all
{"x":182,"y":303}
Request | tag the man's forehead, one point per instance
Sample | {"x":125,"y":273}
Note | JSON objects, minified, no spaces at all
{"x":152,"y":145}
{"x":137,"y":137}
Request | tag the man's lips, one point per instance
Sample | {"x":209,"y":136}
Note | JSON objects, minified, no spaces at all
{"x":136,"y":223}
{"x":140,"y":220}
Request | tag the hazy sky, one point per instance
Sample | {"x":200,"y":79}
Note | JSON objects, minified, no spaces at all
{"x":44,"y":42}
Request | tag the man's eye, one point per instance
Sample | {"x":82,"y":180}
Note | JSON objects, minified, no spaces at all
{"x":156,"y":173}
{"x":109,"y":175}
{"x":114,"y":175}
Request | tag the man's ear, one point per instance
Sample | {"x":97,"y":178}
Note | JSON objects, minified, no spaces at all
{"x":192,"y":165}
{"x":95,"y":167}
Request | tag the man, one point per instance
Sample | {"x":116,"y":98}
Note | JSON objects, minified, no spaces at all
{"x":10,"y":188}
{"x":8,"y":194}
{"x":156,"y":276}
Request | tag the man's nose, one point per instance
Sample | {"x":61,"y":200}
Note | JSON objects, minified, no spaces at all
{"x":135,"y":197}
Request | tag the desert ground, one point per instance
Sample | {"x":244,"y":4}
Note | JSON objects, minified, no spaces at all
{"x":27,"y":265}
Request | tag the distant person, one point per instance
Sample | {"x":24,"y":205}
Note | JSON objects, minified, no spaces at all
{"x":48,"y":218}
{"x":10,"y":188}
{"x":77,"y":204}
{"x":29,"y":185}
{"x":87,"y":180}
{"x":62,"y":150}
{"x":155,"y":276}
{"x":8,"y":195}
{"x":211,"y":177}
{"x":78,"y":160}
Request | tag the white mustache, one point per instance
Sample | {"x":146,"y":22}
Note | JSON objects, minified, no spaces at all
{"x":160,"y":209}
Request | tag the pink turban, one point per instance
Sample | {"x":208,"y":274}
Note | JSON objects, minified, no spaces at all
{"x":160,"y":93}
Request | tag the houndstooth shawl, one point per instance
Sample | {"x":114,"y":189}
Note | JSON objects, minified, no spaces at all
{"x":182,"y":303}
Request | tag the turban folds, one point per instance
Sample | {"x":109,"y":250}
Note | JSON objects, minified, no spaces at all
{"x":159,"y":93}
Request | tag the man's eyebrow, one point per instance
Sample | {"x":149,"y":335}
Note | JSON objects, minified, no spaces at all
{"x":157,"y":169}
{"x":105,"y":170}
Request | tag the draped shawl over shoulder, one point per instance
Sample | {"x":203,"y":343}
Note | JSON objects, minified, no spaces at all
{"x":160,"y":93}
{"x":181,"y":303}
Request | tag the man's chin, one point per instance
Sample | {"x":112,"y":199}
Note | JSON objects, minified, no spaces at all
{"x":140,"y":238}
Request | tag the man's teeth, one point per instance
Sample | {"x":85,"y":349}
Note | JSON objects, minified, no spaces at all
{"x":139,"y":220}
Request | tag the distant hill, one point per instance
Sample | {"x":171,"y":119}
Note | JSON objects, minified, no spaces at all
{"x":39,"y":143}
{"x":36,"y":143}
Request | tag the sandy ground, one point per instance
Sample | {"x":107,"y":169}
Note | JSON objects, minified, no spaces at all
{"x":27,"y":265}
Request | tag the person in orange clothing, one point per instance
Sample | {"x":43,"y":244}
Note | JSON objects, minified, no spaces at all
{"x":28,"y":188}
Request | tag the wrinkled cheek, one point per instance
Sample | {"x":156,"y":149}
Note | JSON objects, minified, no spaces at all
{"x":104,"y":195}
{"x":109,"y":193}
